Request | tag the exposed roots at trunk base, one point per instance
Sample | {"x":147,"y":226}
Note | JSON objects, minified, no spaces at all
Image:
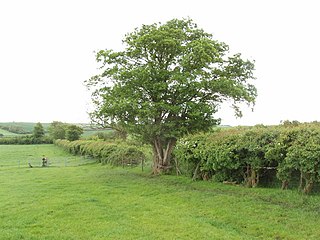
{"x":161,"y":155}
{"x":161,"y":169}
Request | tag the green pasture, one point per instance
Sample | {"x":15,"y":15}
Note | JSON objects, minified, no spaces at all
{"x":27,"y":126}
{"x":7,"y":133}
{"x":90,"y":201}
{"x":22,"y":155}
{"x":88,"y":132}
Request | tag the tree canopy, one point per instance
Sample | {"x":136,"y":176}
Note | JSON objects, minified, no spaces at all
{"x":169,"y":81}
{"x":57,"y":130}
{"x":73,"y":132}
{"x":38,"y":131}
{"x":60,"y":130}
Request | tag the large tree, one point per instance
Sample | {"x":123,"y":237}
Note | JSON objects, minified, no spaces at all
{"x":73,"y":132}
{"x":57,"y":130}
{"x":168,"y":81}
{"x":38,"y":131}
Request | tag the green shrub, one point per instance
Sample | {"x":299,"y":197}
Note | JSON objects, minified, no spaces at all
{"x":105,"y":152}
{"x":23,"y":140}
{"x":251,"y":155}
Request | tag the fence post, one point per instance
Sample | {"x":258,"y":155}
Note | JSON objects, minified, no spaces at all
{"x":142,"y":163}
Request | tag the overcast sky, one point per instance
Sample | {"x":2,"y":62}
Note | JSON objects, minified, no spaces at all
{"x":46,"y":52}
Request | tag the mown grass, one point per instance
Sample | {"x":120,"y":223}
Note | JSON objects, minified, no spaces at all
{"x":100,"y":202}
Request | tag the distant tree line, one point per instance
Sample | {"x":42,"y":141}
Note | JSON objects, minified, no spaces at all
{"x":56,"y":130}
{"x":24,"y":140}
{"x":60,"y":130}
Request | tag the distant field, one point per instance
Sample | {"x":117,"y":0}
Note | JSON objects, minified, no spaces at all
{"x":28,"y":127}
{"x":7,"y":134}
{"x":22,"y":155}
{"x":87,"y":133}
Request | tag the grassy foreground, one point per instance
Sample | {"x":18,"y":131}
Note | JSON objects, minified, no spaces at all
{"x":99,"y":202}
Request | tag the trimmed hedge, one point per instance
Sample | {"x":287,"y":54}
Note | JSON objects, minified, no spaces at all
{"x":105,"y":152}
{"x":24,"y":140}
{"x":251,"y":155}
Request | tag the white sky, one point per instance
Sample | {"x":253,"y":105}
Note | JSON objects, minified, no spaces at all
{"x":46,"y":52}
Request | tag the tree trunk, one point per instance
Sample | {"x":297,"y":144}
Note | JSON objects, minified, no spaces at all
{"x":162,"y":154}
{"x":247,"y":177}
{"x":285,"y":184}
{"x":251,"y":177}
{"x":195,"y":173}
{"x":178,"y":172}
{"x":301,"y":181}
{"x":308,"y":188}
{"x":257,"y":179}
{"x":308,"y":182}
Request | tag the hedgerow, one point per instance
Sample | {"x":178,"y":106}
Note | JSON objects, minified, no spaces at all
{"x":251,"y":155}
{"x":113,"y":153}
{"x":24,"y":140}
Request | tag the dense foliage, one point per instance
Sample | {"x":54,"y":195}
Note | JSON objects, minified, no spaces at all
{"x":118,"y":154}
{"x":38,"y":131}
{"x":168,"y":81}
{"x":288,"y":152}
{"x":60,"y":130}
{"x":73,"y":132}
{"x":57,"y":130}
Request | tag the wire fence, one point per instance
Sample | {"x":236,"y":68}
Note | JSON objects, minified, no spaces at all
{"x":71,"y":161}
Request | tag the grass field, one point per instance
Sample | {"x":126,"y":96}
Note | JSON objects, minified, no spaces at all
{"x":26,"y":126}
{"x":7,"y":134}
{"x":20,"y":156}
{"x":99,"y":202}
